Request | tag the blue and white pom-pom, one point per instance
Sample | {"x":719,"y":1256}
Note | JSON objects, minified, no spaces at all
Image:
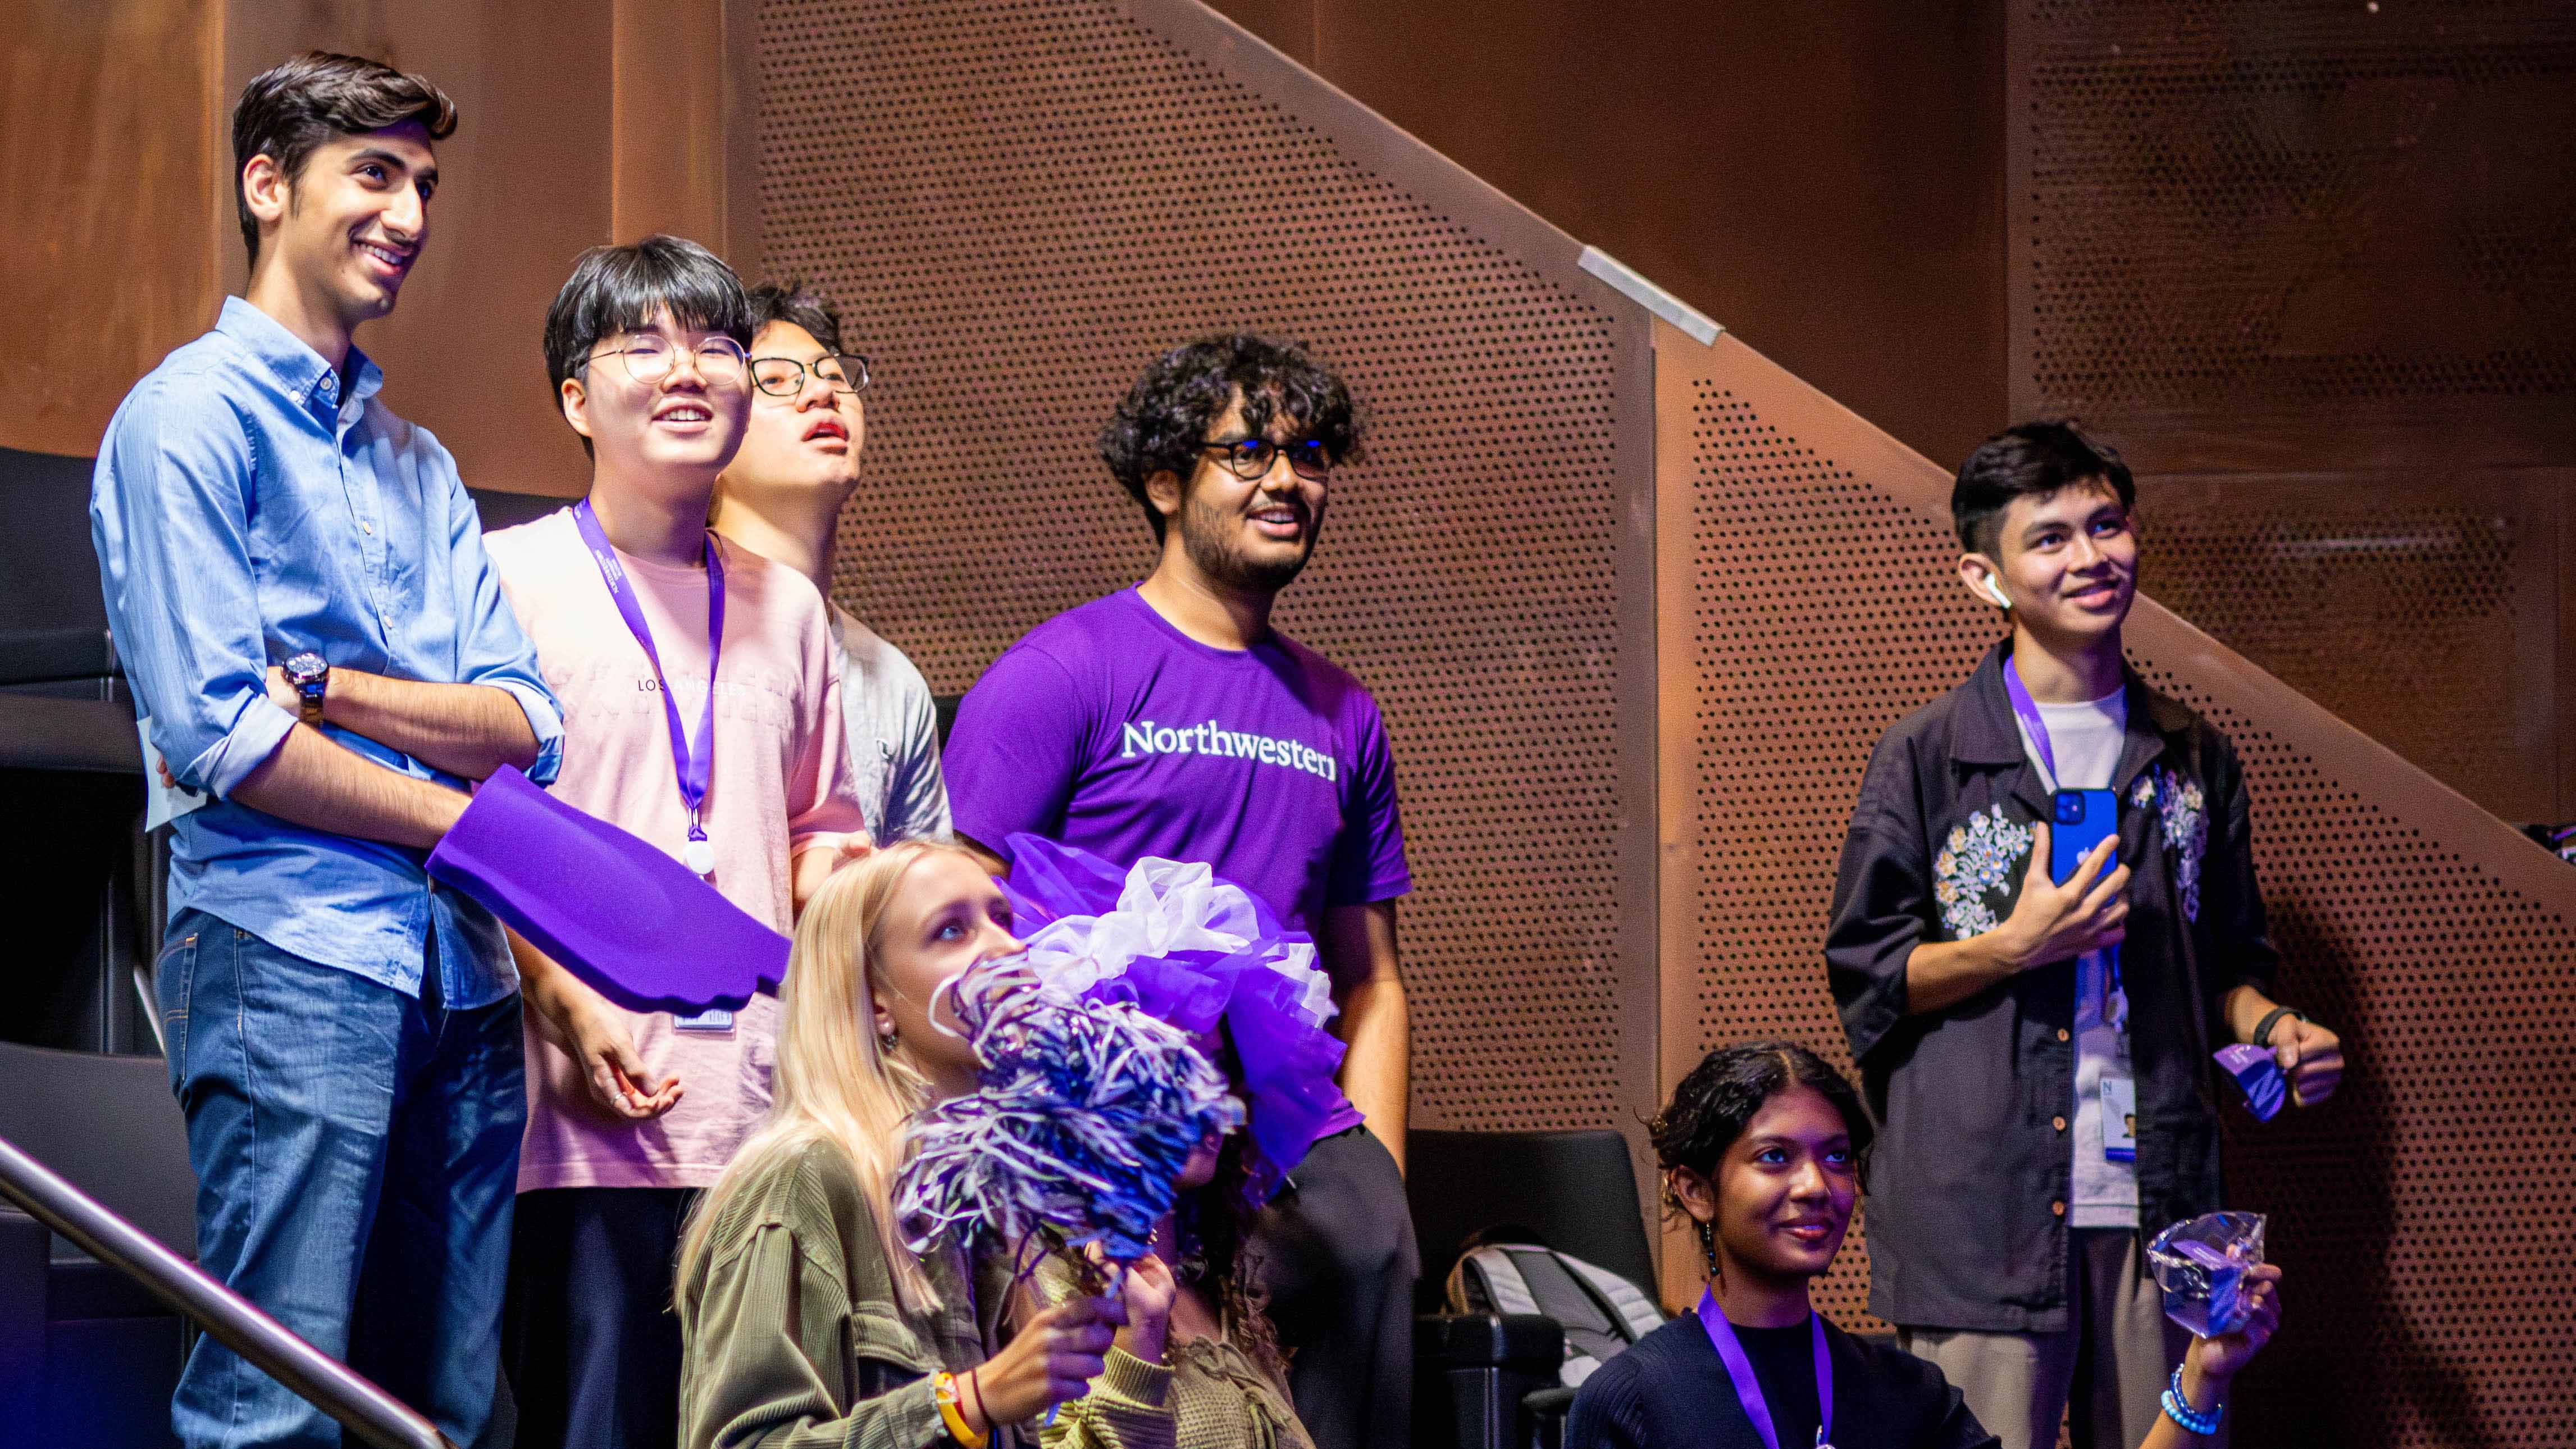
{"x":1087,"y":1112}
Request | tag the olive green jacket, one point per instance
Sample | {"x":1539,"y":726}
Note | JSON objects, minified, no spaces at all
{"x":794,"y":1340}
{"x":1211,"y":1395}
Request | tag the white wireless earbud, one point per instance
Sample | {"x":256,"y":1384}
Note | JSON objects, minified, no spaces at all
{"x":1992,"y":590}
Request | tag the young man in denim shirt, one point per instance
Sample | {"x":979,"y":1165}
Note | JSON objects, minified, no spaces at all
{"x":296,"y":583}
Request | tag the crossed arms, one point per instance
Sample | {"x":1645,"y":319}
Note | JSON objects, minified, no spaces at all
{"x":468,"y":730}
{"x":171,"y":517}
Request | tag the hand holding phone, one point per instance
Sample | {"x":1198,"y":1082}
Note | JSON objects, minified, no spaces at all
{"x":2058,"y":920}
{"x":2081,"y":820}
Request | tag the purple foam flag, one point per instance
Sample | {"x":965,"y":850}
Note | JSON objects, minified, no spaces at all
{"x":635,"y":925}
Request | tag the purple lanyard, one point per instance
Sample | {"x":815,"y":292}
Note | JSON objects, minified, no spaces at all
{"x":2115,"y":1013}
{"x":1748,"y":1389}
{"x":694,"y":765}
{"x":2028,"y":709}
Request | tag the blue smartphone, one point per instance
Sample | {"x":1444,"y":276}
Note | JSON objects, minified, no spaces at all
{"x":2083,"y":819}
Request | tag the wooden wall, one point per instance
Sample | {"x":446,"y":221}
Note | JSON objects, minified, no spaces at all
{"x":580,"y":122}
{"x":107,"y":175}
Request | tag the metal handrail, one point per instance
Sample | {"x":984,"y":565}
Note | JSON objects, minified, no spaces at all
{"x":319,"y":1379}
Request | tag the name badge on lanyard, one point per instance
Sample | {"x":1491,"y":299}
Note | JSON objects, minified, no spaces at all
{"x":2119,"y":1119}
{"x":693,"y":762}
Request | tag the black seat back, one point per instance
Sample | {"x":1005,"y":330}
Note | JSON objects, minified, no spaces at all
{"x":110,"y":1126}
{"x":1574,"y":1191}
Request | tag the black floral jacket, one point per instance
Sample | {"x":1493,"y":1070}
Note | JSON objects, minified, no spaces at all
{"x":1968,"y":1185}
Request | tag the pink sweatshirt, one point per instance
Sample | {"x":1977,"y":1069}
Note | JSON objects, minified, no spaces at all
{"x":781,"y":783}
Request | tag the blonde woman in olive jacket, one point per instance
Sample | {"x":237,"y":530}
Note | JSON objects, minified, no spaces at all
{"x":807,"y":1323}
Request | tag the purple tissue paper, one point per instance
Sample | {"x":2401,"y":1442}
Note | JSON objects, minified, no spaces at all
{"x":2258,"y":1076}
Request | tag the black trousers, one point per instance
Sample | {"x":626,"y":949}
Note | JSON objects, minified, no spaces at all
{"x":1337,"y":1255}
{"x":592,"y":1344}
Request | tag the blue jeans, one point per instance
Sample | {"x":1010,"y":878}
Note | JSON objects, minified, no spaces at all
{"x":357,"y":1155}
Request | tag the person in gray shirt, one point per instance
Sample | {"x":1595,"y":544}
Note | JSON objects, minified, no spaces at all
{"x":781,"y":497}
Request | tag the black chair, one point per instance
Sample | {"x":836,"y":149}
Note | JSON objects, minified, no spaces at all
{"x":86,"y":1355}
{"x":1490,"y":1381}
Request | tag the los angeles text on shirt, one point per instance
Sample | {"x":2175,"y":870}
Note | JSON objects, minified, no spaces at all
{"x":1144,"y":737}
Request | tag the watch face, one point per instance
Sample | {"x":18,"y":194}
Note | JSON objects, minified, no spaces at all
{"x":305,"y":668}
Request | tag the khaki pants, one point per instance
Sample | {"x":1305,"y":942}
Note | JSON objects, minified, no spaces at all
{"x":2112,"y":1363}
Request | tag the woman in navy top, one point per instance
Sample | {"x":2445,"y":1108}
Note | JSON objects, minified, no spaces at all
{"x":1761,"y":1149}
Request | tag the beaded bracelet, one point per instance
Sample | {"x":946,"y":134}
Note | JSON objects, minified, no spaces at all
{"x":943,"y":1390}
{"x":2193,"y":1421}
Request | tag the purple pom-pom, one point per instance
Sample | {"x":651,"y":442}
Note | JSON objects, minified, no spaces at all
{"x":1087,"y":1112}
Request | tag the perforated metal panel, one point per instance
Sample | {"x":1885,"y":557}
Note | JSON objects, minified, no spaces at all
{"x":2418,"y":609}
{"x":1020,"y":201}
{"x":2296,"y":206}
{"x":1019,"y":204}
{"x":2424,"y":1216}
{"x":1822,"y":611}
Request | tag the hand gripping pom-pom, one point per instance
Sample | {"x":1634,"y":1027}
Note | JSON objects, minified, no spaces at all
{"x":1087,"y":1112}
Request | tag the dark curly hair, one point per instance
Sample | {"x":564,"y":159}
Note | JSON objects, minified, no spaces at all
{"x":1722,"y":1095}
{"x":1215,"y":1225}
{"x":1164,"y":418}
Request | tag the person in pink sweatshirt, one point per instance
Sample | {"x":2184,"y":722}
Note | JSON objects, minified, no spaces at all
{"x":701,"y":692}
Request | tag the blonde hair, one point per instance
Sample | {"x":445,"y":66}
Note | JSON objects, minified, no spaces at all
{"x":834,"y":1084}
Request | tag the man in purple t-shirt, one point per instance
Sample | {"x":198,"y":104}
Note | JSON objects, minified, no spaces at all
{"x":1171,"y":720}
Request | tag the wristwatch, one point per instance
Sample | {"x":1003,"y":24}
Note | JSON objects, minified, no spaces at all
{"x":311,"y":676}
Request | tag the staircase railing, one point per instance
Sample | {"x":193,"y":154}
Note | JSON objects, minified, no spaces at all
{"x":321,"y":1380}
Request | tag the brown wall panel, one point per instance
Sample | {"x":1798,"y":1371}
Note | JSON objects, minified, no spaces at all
{"x":667,"y":128}
{"x":1802,"y":610}
{"x":2335,"y":226}
{"x":108,"y":140}
{"x":1291,"y":25}
{"x":1825,"y":179}
{"x":2419,"y":607}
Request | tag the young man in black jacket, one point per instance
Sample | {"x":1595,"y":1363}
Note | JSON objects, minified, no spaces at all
{"x":2038,"y":1053}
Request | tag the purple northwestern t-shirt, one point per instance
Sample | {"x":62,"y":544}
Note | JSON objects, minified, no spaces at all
{"x":1108,"y":729}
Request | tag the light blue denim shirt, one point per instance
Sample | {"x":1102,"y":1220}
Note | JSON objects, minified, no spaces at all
{"x":244,"y":511}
